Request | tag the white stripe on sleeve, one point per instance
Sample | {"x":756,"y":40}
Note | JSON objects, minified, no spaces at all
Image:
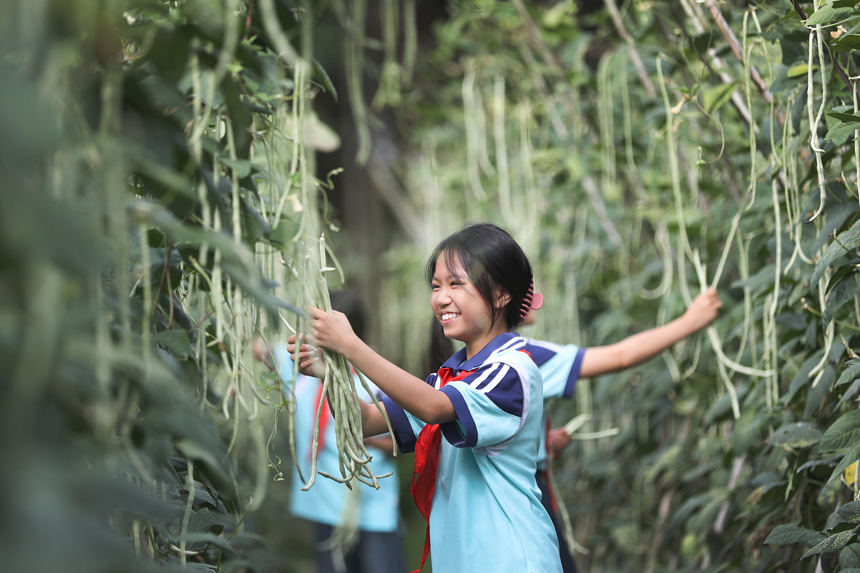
{"x":484,"y":375}
{"x":495,"y":382}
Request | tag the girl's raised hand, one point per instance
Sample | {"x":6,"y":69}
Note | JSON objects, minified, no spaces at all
{"x":332,"y":331}
{"x":329,"y":331}
{"x":703,"y":310}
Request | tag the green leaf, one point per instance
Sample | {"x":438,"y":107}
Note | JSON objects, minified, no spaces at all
{"x":788,"y":534}
{"x":764,"y":278}
{"x":200,"y":521}
{"x":847,"y":42}
{"x":797,"y":71}
{"x":256,"y":227}
{"x":844,"y":4}
{"x":842,"y":434}
{"x":846,"y":241}
{"x":169,"y":52}
{"x":828,"y":14}
{"x":832,"y":543}
{"x":284,"y":232}
{"x":798,"y":109}
{"x":794,"y":321}
{"x":207,"y":538}
{"x":723,"y":406}
{"x":840,"y":132}
{"x":240,"y":116}
{"x":839,"y":274}
{"x":801,"y":377}
{"x":815,"y":396}
{"x":322,"y":77}
{"x":211,"y":146}
{"x":842,"y":293}
{"x":783,"y":83}
{"x":259,"y":291}
{"x":799,"y":435}
{"x":844,"y":117}
{"x":242,"y":167}
{"x":714,"y":98}
{"x":164,"y":176}
{"x":194,"y":567}
{"x":850,"y":512}
{"x":847,"y":460}
{"x":747,"y":430}
{"x":685,"y":511}
{"x":812,"y":464}
{"x":194,"y":451}
{"x":175,"y":340}
{"x":851,"y":372}
{"x":836,"y":216}
{"x":850,"y":393}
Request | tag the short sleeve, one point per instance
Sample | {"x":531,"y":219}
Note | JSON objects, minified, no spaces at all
{"x":406,"y":426}
{"x":489,"y":404}
{"x":561,"y":372}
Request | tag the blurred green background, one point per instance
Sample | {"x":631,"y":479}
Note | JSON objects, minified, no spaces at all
{"x":160,"y":159}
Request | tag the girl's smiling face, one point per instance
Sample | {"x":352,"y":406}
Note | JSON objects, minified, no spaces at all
{"x":463,"y":313}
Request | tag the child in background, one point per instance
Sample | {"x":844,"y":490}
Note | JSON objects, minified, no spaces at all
{"x":328,"y":505}
{"x":561,"y":367}
{"x":475,"y":425}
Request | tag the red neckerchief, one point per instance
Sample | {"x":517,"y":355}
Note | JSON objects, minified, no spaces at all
{"x":548,"y":471}
{"x":325,"y":416}
{"x":427,"y":460}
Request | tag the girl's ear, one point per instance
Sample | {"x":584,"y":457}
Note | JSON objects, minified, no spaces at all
{"x":501,"y":299}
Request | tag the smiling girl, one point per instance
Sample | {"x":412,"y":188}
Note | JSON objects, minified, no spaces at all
{"x":475,"y":425}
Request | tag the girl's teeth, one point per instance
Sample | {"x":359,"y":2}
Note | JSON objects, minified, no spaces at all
{"x":448,"y":316}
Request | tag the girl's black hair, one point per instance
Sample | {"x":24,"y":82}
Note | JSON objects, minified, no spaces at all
{"x":440,"y":348}
{"x":494,"y":263}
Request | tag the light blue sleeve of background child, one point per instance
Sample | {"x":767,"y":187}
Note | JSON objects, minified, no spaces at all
{"x":561,"y":372}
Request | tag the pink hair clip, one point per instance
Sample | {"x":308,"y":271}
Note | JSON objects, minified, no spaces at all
{"x":532,"y":301}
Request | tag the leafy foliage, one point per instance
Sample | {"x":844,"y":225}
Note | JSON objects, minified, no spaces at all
{"x":136,"y":194}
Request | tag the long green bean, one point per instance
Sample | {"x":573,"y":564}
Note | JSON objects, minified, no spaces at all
{"x":340,"y":393}
{"x":470,"y":119}
{"x":815,"y":117}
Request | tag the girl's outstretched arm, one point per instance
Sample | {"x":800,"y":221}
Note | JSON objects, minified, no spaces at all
{"x":644,"y":345}
{"x":334,"y":332}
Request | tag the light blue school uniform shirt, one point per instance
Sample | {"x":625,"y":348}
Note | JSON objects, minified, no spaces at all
{"x":486,"y":513}
{"x":326,"y":501}
{"x":559,"y":367}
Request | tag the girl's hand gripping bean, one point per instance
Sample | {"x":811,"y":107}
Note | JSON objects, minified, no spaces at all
{"x":311,"y":361}
{"x":333,"y":332}
{"x":703,"y":310}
